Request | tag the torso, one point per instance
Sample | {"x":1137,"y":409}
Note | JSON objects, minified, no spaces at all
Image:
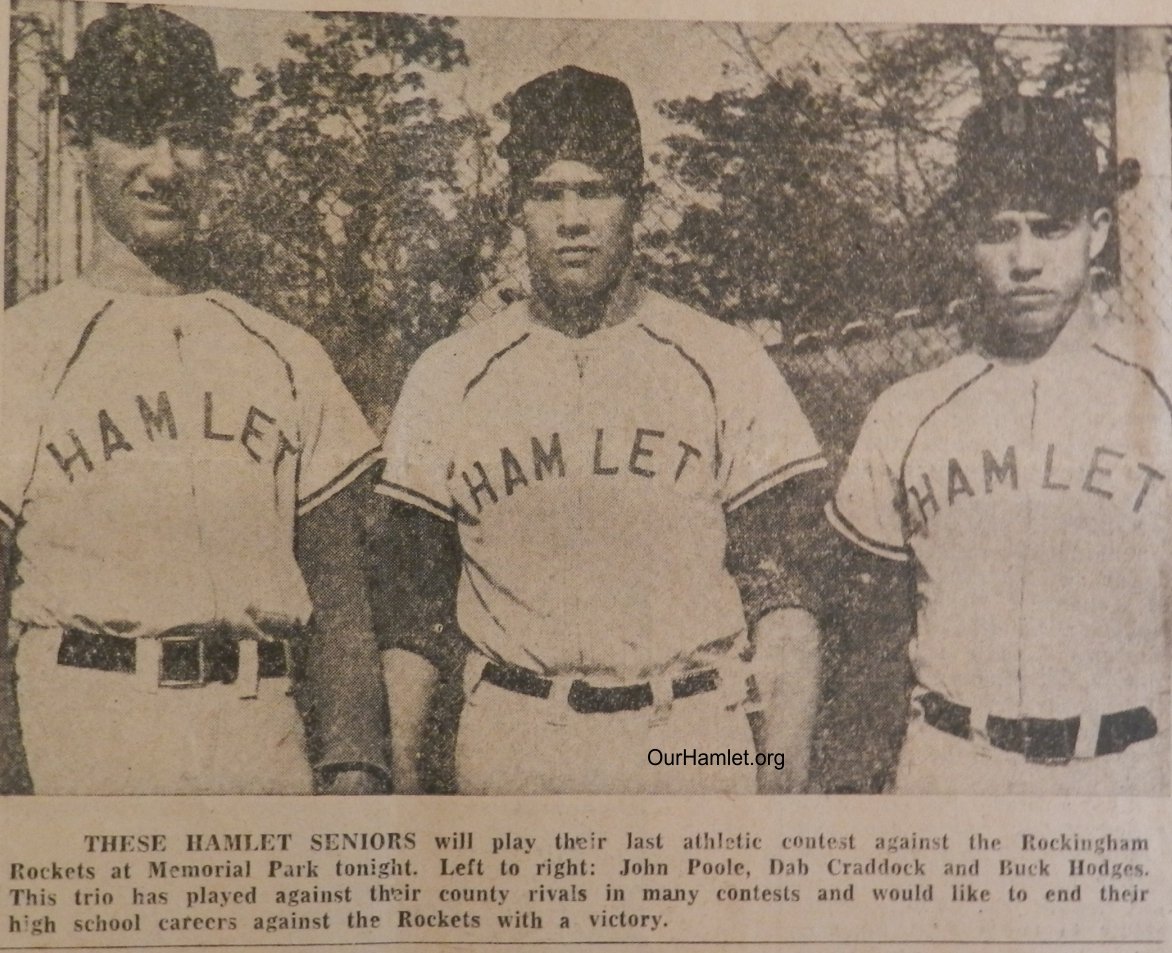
{"x":1038,"y":509}
{"x":164,"y":486}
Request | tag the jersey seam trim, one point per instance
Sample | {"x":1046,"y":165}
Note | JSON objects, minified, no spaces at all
{"x":82,"y":341}
{"x":704,"y":376}
{"x":414,"y":498}
{"x":1143,"y":371}
{"x":263,"y":339}
{"x":782,"y":474}
{"x":932,"y":413}
{"x":8,"y":516}
{"x":346,"y":476}
{"x":492,"y":360}
{"x":848,"y":529}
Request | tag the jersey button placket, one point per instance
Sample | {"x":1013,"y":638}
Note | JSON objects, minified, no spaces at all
{"x":1035,"y":405}
{"x":581,"y":364}
{"x":181,"y":335}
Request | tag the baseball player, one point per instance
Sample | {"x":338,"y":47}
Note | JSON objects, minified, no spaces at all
{"x":179,"y":476}
{"x":1027,"y":483}
{"x":580,"y":463}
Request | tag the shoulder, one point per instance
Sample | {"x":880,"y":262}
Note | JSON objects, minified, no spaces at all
{"x":451,"y":362}
{"x":901,"y":411}
{"x":919,"y":395}
{"x":43,"y":330}
{"x":301,"y":352}
{"x":280,"y":334}
{"x":52,"y":313}
{"x":731,"y":359}
{"x":1140,"y":352}
{"x":691,"y":328}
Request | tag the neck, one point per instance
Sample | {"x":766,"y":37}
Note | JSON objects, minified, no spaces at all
{"x":116,"y":266}
{"x":579,"y":317}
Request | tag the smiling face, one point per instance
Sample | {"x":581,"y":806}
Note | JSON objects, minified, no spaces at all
{"x":578,"y":232}
{"x":1034,"y":268}
{"x":148,"y":193}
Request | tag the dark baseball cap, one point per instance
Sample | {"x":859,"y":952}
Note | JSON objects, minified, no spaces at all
{"x":1027,"y":152}
{"x":138,"y":69}
{"x":572,"y":113}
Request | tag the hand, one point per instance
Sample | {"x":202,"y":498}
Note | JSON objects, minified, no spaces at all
{"x":407,"y":782}
{"x":354,"y":781}
{"x":772,"y":781}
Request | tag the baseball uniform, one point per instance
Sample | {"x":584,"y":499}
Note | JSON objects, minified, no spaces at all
{"x":1033,"y":499}
{"x":157,"y":453}
{"x":590,"y":479}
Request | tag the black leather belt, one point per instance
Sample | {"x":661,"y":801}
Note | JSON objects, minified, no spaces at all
{"x":185,"y":659}
{"x":589,"y":699}
{"x":1041,"y":740}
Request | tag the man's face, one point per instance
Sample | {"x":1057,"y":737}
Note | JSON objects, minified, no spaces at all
{"x":1034,"y":267}
{"x":578,"y":230}
{"x":148,"y":192}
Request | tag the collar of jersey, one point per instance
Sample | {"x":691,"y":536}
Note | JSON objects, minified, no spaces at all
{"x":623,"y":309}
{"x":134,"y":296}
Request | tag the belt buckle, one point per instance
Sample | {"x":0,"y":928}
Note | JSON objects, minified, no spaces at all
{"x":1049,"y":741}
{"x":186,"y":655}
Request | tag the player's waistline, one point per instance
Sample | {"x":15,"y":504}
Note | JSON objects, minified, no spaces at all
{"x":1054,"y":741}
{"x":731,"y":677}
{"x":187,"y":657}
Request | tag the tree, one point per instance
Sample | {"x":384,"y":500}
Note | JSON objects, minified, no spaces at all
{"x":359,"y":202}
{"x":773,"y":224}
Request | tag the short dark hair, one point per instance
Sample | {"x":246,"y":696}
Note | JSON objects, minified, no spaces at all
{"x":573,"y":113}
{"x":138,"y":69}
{"x":1027,"y":152}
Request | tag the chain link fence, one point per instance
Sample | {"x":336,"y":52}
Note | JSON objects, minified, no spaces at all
{"x":369,"y":211}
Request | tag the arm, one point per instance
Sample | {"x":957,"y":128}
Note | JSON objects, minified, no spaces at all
{"x":869,"y":617}
{"x":787,"y":664}
{"x":411,"y":681}
{"x":775,"y":541}
{"x":14,"y":773}
{"x":343,"y":685}
{"x":415,"y":563}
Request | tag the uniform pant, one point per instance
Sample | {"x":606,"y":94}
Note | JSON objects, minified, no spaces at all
{"x":935,"y":762}
{"x":510,"y":743}
{"x":88,"y":731}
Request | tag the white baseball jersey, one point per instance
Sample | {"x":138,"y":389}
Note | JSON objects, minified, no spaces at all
{"x":590,"y":479}
{"x":1035,"y":499}
{"x":155,"y":452}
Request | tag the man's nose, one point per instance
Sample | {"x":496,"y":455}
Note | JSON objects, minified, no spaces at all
{"x":162,"y":163}
{"x":1025,"y":256}
{"x":571,"y":215}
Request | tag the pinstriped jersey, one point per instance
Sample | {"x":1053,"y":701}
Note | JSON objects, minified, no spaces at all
{"x":590,"y":478}
{"x":156,"y":451}
{"x":1034,"y":499}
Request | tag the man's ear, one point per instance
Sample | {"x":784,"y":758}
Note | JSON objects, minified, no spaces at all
{"x":1100,"y":220}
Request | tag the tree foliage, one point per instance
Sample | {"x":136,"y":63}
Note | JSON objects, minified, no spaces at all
{"x":359,"y":197}
{"x":819,"y":201}
{"x":774,"y":225}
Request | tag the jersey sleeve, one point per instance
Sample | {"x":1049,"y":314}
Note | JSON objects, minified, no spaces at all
{"x":866,"y":508}
{"x":337,"y":442}
{"x":415,"y":449}
{"x":766,"y":438}
{"x":22,"y":400}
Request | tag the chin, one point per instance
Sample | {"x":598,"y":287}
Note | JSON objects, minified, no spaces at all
{"x":1033,"y":324}
{"x":161,"y":242}
{"x":573,"y":292}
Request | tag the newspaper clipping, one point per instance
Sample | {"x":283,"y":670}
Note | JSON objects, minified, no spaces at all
{"x":516,"y":475}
